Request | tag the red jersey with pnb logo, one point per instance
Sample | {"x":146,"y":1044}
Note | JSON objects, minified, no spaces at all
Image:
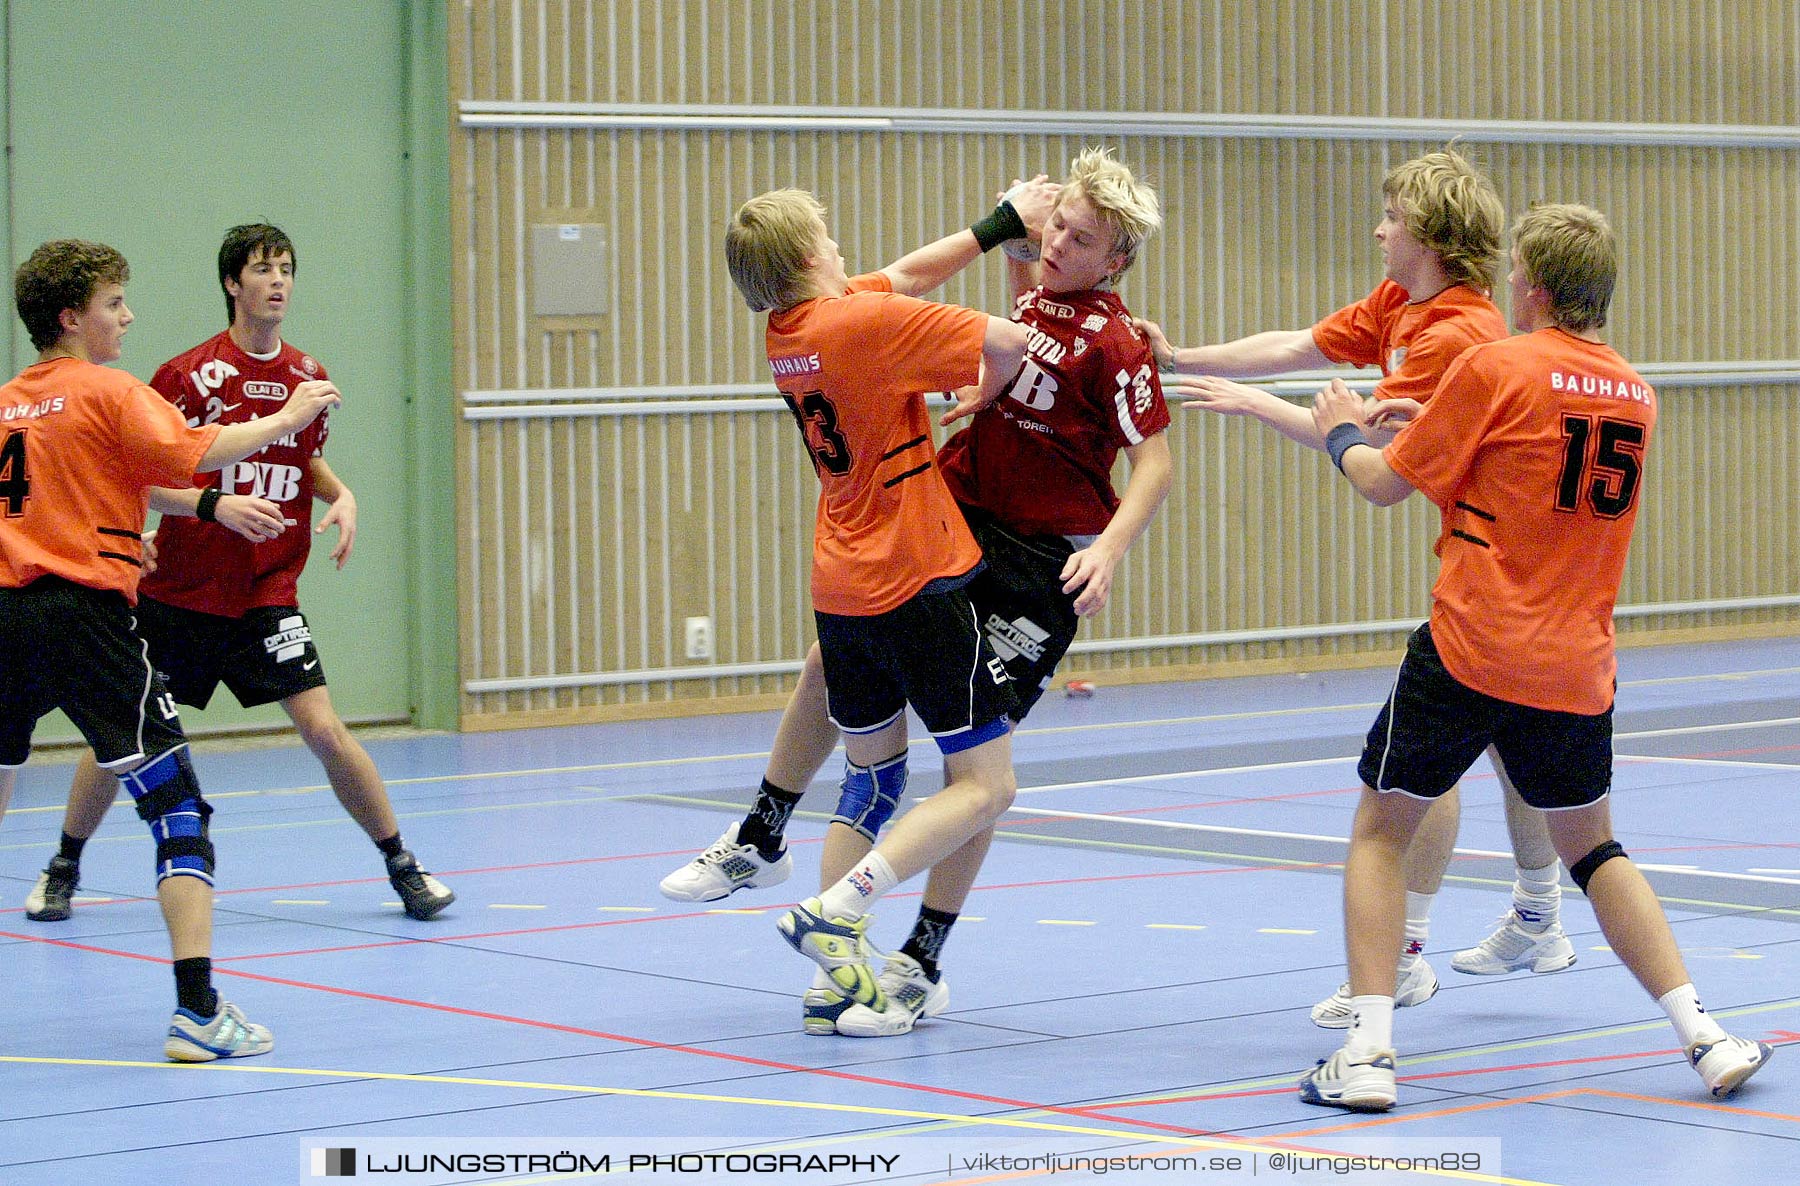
{"x":203,"y":566}
{"x":1040,"y":459}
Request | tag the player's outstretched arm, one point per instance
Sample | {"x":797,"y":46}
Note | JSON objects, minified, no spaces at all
{"x":1229,"y":398}
{"x":1338,"y":416}
{"x":256,"y":519}
{"x":328,"y":488}
{"x":237,"y":441}
{"x":1273,"y":352}
{"x":1091,"y":569}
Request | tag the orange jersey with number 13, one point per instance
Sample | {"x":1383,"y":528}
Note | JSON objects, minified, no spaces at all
{"x":854,"y":370}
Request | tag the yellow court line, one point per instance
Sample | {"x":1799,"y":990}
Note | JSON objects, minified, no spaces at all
{"x":1181,"y":1143}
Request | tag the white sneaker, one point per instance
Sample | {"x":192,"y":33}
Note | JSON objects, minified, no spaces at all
{"x":1512,"y":948}
{"x":226,"y":1034}
{"x":1727,"y":1063}
{"x":910,"y":995}
{"x":724,"y":869}
{"x":838,"y":945}
{"x":1417,"y":984}
{"x":820,"y":1009}
{"x":1366,"y":1086}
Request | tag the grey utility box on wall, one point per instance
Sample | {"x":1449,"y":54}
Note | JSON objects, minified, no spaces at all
{"x":568,"y":270}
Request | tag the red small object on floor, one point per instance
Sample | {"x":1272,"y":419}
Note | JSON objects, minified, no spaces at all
{"x":1082,"y":688}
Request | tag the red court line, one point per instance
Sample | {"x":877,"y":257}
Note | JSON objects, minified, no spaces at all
{"x":647,"y":1043}
{"x":615,"y":922}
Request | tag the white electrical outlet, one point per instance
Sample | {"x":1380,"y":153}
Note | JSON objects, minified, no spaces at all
{"x":699,"y":638}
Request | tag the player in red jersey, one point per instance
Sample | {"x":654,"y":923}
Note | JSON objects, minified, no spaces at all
{"x":1533,"y":449}
{"x":1440,"y":242}
{"x":1032,"y":476}
{"x":81,"y":446}
{"x":222,"y":604}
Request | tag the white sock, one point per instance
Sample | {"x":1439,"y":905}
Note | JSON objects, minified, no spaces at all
{"x":1691,"y":1021}
{"x":1537,"y":898}
{"x":1418,"y":926}
{"x":822,"y":980}
{"x":852,"y":897}
{"x":1371,"y":1026}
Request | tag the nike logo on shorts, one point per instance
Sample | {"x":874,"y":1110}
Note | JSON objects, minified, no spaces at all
{"x":309,"y":666}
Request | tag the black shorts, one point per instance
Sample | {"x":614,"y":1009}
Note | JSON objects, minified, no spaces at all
{"x":264,"y":656}
{"x":1018,"y":598}
{"x":67,"y":646}
{"x":1433,"y":727}
{"x":927,"y":653}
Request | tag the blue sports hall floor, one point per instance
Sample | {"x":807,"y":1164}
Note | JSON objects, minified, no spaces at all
{"x":1130,"y":983}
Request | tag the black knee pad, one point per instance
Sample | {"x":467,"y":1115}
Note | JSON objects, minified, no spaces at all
{"x":1583,"y":870}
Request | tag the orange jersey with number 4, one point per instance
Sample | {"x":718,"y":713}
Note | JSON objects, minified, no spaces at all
{"x":854,"y":370}
{"x":1533,"y":449}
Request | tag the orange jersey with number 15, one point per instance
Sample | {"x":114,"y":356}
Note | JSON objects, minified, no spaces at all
{"x":854,"y":370}
{"x":1533,"y":449}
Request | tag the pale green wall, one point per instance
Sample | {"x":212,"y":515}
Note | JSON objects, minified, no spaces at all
{"x":154,"y":126}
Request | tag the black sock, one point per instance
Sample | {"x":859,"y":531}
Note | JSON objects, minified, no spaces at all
{"x":926,"y":943}
{"x":193,"y":986}
{"x":768,"y":819}
{"x":392,"y":846}
{"x":71,"y":847}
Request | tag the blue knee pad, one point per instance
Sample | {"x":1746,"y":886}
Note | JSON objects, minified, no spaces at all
{"x":870,"y":794}
{"x":168,"y":798}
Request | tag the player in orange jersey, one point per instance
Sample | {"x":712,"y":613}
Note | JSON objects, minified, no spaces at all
{"x":220,"y":608}
{"x":1533,"y":449}
{"x":1032,"y":476}
{"x":892,"y":555}
{"x":81,"y":445}
{"x":1440,"y":243}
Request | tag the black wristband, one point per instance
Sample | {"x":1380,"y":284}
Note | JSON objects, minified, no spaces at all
{"x":1001,"y":224}
{"x":1341,"y":440}
{"x":207,"y":509}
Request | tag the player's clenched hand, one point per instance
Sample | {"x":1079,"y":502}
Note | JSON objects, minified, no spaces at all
{"x":1336,"y":404}
{"x":1033,"y":200}
{"x":256,"y":519}
{"x":309,"y":400}
{"x":149,"y":542}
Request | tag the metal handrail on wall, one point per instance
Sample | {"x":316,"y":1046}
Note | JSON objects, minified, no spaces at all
{"x":706,"y":117}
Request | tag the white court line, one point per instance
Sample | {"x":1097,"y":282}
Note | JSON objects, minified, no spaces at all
{"x":1220,"y":830}
{"x":1788,"y":767}
{"x":1722,"y":728}
{"x":651,"y":763}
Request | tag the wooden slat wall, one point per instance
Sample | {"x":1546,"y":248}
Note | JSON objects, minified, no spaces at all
{"x":589,"y":539}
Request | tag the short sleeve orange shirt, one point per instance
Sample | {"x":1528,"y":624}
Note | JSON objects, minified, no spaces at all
{"x":80,"y":446}
{"x":855,"y":369}
{"x":1412,"y":344}
{"x":1533,"y":449}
